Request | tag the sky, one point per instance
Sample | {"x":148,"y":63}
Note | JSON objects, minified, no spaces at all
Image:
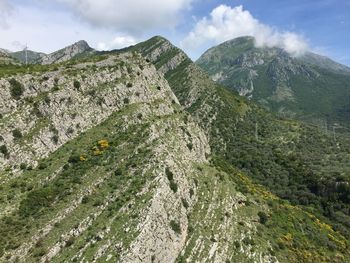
{"x":298,"y":26}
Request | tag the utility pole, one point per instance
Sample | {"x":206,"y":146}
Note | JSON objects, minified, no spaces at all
{"x":26,"y":53}
{"x":256,"y":131}
{"x":325,"y":126}
{"x":334,"y":133}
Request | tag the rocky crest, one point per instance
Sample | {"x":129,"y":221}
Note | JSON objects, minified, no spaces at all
{"x":67,"y":53}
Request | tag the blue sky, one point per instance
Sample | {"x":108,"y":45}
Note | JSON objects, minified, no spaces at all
{"x":322,"y":26}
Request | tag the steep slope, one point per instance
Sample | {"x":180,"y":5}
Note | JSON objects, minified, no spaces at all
{"x":100,"y":163}
{"x":115,"y":170}
{"x":311,"y":87}
{"x":296,"y":161}
{"x":110,"y":174}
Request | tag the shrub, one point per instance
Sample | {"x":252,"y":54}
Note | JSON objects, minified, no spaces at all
{"x":118,"y":172}
{"x":262,"y":217}
{"x":42,"y":166}
{"x":36,"y":200}
{"x":55,"y":139}
{"x":85,"y":200}
{"x":126,"y":101}
{"x":129,"y":85}
{"x":47,"y":99}
{"x":190,"y":146}
{"x":169,"y":174}
{"x":185,"y":203}
{"x":17,"y":89}
{"x":70,"y":130}
{"x":16,"y":133}
{"x":70,"y":242}
{"x":74,"y":158}
{"x":76,"y":84}
{"x":4,"y":150}
{"x":175,"y":226}
{"x":173,"y":186}
{"x":23,"y":166}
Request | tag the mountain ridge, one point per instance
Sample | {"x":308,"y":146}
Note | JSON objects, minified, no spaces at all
{"x":290,"y":86}
{"x":78,"y":48}
{"x":136,"y":155}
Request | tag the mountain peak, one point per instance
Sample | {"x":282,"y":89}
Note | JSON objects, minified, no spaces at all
{"x":279,"y":81}
{"x":68,"y":52}
{"x":82,"y":44}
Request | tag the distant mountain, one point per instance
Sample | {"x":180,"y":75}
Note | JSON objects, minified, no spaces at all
{"x":2,"y":50}
{"x":32,"y":56}
{"x":310,"y":87}
{"x":5,"y":58}
{"x":80,"y":48}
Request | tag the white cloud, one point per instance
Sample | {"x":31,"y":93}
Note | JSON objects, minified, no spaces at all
{"x":6,"y":10}
{"x":117,"y":42}
{"x":226,"y":23}
{"x":134,"y":16}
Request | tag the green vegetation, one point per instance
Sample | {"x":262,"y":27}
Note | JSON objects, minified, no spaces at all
{"x":16,"y":89}
{"x":4,"y":150}
{"x":262,"y":217}
{"x":173,"y":185}
{"x":272,"y":188}
{"x":101,"y":172}
{"x":76,"y":84}
{"x":297,"y":87}
{"x":17,"y":134}
{"x":295,"y":161}
{"x":175,"y":226}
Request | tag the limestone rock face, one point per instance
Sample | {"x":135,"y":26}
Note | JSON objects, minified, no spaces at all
{"x":67,"y":53}
{"x":56,"y":107}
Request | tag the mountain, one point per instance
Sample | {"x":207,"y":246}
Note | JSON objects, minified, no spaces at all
{"x":2,"y":50}
{"x":32,"y":56}
{"x":78,"y":49}
{"x":136,"y":155}
{"x":311,"y":87}
{"x":6,"y":59}
{"x":272,"y":151}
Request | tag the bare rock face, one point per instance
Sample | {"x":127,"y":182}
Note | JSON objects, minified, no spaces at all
{"x":56,"y":107}
{"x":67,"y":53}
{"x":5,"y":58}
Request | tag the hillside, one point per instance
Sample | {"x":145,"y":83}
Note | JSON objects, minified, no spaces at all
{"x":311,"y":87}
{"x":32,"y":56}
{"x":295,"y":161}
{"x":109,"y":157}
{"x":5,"y":59}
{"x":78,"y":49}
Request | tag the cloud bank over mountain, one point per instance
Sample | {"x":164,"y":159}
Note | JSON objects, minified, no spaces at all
{"x":225,"y":23}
